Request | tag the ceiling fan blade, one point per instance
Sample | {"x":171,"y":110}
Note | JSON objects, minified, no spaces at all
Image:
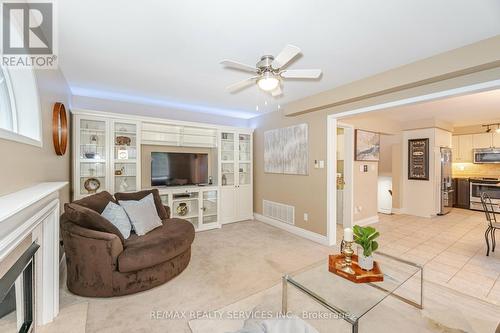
{"x":241,"y":84}
{"x":285,"y":56}
{"x":301,"y":74}
{"x":239,"y":65}
{"x":277,"y":92}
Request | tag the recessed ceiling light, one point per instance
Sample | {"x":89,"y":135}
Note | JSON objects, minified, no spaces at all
{"x":265,"y":103}
{"x":256,"y":108}
{"x":279,"y":106}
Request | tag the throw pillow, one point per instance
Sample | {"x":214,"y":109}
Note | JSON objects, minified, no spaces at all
{"x":142,"y":214}
{"x":116,"y":215}
{"x":160,"y":209}
{"x":96,"y":202}
{"x":90,"y":219}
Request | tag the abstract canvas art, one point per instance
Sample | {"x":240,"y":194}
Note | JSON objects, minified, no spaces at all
{"x":286,"y":150}
{"x":367,"y":146}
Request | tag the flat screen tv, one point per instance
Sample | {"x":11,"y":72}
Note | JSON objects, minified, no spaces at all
{"x":177,"y":169}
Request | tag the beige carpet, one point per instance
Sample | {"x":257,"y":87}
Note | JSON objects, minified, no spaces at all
{"x":228,"y":265}
{"x":446,"y":311}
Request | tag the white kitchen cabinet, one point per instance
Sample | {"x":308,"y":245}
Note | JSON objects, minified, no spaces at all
{"x":235,"y":176}
{"x":455,"y":148}
{"x":482,"y":140}
{"x":465,"y":145}
{"x":496,"y":140}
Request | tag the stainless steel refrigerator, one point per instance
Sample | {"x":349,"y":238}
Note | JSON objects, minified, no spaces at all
{"x":447,"y":191}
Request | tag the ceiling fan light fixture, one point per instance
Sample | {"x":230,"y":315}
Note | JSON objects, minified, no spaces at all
{"x":268,"y":82}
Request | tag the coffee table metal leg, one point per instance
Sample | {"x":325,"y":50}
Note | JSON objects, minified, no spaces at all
{"x":355,"y":327}
{"x":284,"y":295}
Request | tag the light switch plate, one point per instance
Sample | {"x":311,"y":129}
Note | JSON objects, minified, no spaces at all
{"x":321,"y":164}
{"x":306,"y":216}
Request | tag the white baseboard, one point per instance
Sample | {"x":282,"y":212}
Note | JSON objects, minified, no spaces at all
{"x":292,"y":229}
{"x":367,"y":221}
{"x":385,"y":211}
{"x":397,"y":211}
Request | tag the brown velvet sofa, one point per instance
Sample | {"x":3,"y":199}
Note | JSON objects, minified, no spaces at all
{"x":100,"y":263}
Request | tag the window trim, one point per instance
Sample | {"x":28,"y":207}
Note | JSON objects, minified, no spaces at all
{"x":14,"y":135}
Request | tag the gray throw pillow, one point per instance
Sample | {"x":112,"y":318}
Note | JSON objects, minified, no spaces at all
{"x":142,"y":214}
{"x":116,"y":215}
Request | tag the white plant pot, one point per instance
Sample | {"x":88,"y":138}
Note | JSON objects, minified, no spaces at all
{"x":365,"y":263}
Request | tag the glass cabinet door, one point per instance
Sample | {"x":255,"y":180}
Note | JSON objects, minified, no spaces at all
{"x":244,"y":162}
{"x":92,"y":156}
{"x":227,"y":159}
{"x":209,"y":207}
{"x":125,"y":156}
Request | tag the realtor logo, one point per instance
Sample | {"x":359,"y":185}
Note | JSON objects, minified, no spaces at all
{"x":28,"y":34}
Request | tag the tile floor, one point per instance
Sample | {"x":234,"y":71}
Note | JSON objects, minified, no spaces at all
{"x":452,"y":249}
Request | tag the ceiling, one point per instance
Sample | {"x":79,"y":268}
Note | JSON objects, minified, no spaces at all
{"x":168,"y":52}
{"x":467,"y":110}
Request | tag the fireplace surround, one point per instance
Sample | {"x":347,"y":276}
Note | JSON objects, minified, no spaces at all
{"x":17,"y":290}
{"x":29,"y":257}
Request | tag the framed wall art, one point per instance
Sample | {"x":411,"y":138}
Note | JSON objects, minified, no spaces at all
{"x":367,"y":146}
{"x":418,"y":159}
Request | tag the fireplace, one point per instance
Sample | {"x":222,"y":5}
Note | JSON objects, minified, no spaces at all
{"x":17,"y":294}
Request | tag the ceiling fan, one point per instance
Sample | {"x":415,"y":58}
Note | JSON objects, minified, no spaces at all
{"x":270,"y":71}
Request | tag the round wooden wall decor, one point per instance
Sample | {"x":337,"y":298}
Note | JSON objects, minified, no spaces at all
{"x":59,"y":128}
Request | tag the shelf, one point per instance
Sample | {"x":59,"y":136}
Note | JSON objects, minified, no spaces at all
{"x":89,"y":130}
{"x":92,"y":160}
{"x":126,"y":161}
{"x":184,"y":199}
{"x":186,"y":216}
{"x":125,"y":176}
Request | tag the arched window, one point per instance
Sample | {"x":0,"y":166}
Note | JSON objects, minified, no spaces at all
{"x":20,"y":117}
{"x":7,"y":103}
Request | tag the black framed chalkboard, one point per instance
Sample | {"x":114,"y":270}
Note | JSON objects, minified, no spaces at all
{"x":418,"y":159}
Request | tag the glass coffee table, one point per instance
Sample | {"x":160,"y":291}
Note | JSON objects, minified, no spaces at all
{"x":351,"y":301}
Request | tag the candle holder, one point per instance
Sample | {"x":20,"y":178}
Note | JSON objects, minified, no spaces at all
{"x":347,"y":263}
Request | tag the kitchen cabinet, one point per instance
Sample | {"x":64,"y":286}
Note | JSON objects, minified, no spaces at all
{"x":496,"y":140}
{"x":482,"y":140}
{"x":462,"y":146}
{"x":462,"y":193}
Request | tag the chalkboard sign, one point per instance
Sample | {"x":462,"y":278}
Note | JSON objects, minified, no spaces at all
{"x":418,"y":159}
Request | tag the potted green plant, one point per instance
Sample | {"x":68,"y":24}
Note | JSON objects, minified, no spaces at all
{"x":365,"y":238}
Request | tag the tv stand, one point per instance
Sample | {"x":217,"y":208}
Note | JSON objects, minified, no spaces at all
{"x":198,"y":205}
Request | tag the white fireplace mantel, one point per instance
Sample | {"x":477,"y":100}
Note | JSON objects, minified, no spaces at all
{"x":34,"y":212}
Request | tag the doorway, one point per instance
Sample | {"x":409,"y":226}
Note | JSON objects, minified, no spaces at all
{"x":341,"y":173}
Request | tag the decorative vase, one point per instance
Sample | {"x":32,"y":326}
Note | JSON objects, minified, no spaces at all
{"x":365,"y":263}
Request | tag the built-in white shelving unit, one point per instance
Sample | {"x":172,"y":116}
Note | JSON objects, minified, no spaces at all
{"x":107,"y":157}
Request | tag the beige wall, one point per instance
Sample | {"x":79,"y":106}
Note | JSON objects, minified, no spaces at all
{"x":306,"y":193}
{"x":146,"y":159}
{"x":24,"y":165}
{"x":365,"y":190}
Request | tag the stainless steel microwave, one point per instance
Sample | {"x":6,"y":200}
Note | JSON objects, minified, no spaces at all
{"x":487,"y":155}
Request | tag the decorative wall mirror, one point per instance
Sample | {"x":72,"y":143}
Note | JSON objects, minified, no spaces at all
{"x":59,"y":128}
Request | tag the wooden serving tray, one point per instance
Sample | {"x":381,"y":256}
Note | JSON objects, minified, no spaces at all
{"x":360,"y":275}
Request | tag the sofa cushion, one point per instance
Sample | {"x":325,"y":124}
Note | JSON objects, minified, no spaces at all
{"x":142,"y":214}
{"x":136,"y":196}
{"x":161,"y":244}
{"x":90,"y":219}
{"x":118,"y":217}
{"x":96,"y":202}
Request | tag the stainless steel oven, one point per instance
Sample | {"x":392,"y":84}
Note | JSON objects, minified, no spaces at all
{"x":481,"y":185}
{"x":487,"y":155}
